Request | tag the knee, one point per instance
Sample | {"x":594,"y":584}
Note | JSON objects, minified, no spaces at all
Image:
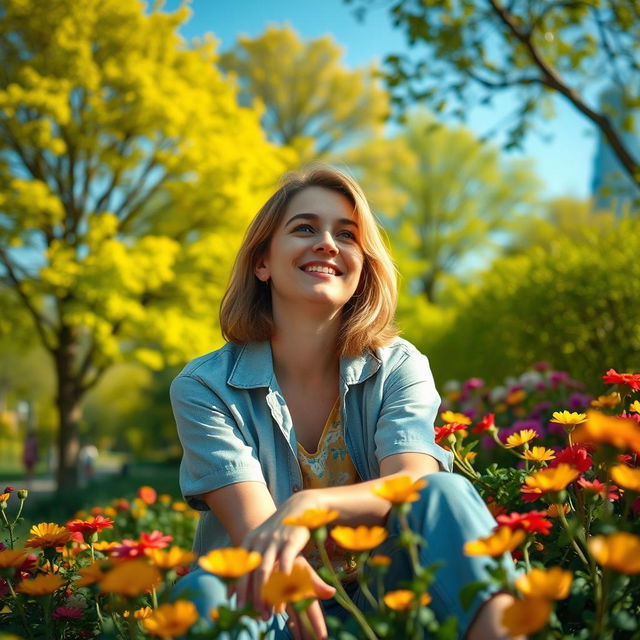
{"x":204,"y":589}
{"x":447,"y":483}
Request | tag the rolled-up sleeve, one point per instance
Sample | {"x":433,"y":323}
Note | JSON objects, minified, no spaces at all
{"x":409,"y":409}
{"x":215,"y":453}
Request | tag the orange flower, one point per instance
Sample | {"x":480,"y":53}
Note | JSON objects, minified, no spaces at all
{"x":553,"y":584}
{"x":147,"y":495}
{"x":404,"y":599}
{"x":130,"y":578}
{"x":520,"y":438}
{"x":171,"y":620}
{"x":516,"y":396}
{"x":499,"y":542}
{"x":282,"y":588}
{"x":12,"y":558}
{"x":47,"y":535}
{"x":4,"y":497}
{"x":179,"y":506}
{"x":171,"y":558}
{"x":602,"y":429}
{"x":400,"y":489}
{"x":93,"y":573}
{"x":379,"y":560}
{"x":553,"y":479}
{"x":41,"y":585}
{"x":619,"y":551}
{"x":359,"y":538}
{"x":458,"y":418}
{"x":554,"y":512}
{"x":312,"y":518}
{"x":626,"y":477}
{"x":526,"y":616}
{"x":230,"y":562}
{"x":608,"y":401}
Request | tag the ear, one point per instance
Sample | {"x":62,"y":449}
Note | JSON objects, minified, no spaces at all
{"x":262,"y":271}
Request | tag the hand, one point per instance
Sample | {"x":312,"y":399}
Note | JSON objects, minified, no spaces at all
{"x":316,"y":618}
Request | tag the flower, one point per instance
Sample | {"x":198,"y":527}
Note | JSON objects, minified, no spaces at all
{"x":444,"y":432}
{"x":93,"y":573}
{"x":179,"y":506}
{"x":630,"y":379}
{"x":104,"y":546}
{"x":139,"y":614}
{"x":499,"y":542}
{"x":526,"y":616}
{"x":522,"y":437}
{"x":171,"y":620}
{"x":516,"y":396}
{"x":635,"y":406}
{"x":598,"y":487}
{"x":130,"y":578}
{"x":531,"y":522}
{"x":577,"y":456}
{"x":626,"y":477}
{"x":12,"y":557}
{"x":452,"y":417}
{"x":608,"y":401}
{"x":552,"y":584}
{"x":619,"y":551}
{"x":487,"y":422}
{"x":568,"y":418}
{"x":553,"y":479}
{"x":48,"y":534}
{"x":4,"y":497}
{"x":404,"y":599}
{"x":282,"y":588}
{"x":539,"y":454}
{"x":553,"y":511}
{"x":360,"y":538}
{"x":41,"y":585}
{"x":154,"y":540}
{"x":171,"y":558}
{"x":379,"y":560}
{"x":67,"y":613}
{"x":230,"y":562}
{"x":618,"y":432}
{"x":93,"y":524}
{"x":400,"y":489}
{"x":312,"y":518}
{"x":147,"y":495}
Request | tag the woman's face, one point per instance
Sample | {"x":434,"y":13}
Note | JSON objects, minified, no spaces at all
{"x":315,"y":254}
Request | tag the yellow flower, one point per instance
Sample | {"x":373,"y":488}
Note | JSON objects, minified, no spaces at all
{"x":130,"y":578}
{"x":104,"y":546}
{"x":164,"y":498}
{"x":635,"y":406}
{"x":171,"y":620}
{"x":41,"y":585}
{"x":12,"y":557}
{"x":552,"y":480}
{"x":404,"y":599}
{"x":379,"y":560}
{"x":565,"y":417}
{"x":47,"y":534}
{"x":619,"y":551}
{"x":526,"y":616}
{"x":282,"y":588}
{"x":400,"y":489}
{"x":312,"y":518}
{"x":515,"y":396}
{"x":451,"y":416}
{"x":553,"y":511}
{"x":139,"y":614}
{"x":626,"y":477}
{"x":539,"y":454}
{"x":499,"y":542}
{"x":169,"y":558}
{"x":230,"y":562}
{"x":607,"y":402}
{"x":618,"y":432}
{"x":516,"y":439}
{"x":552,"y":584}
{"x":500,"y":407}
{"x":4,"y":497}
{"x":359,"y":538}
{"x":179,"y":506}
{"x":110,"y":512}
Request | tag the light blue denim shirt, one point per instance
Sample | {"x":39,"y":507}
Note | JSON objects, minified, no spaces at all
{"x":234,"y":424}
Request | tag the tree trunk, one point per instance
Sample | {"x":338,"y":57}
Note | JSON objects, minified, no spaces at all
{"x":68,"y":405}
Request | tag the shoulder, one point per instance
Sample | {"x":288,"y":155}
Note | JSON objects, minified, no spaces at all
{"x":211,"y":369}
{"x":399,"y":352}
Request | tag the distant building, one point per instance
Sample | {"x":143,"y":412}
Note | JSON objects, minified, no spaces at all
{"x":612,"y":188}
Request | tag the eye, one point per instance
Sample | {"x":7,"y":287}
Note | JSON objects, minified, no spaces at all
{"x":303,"y":228}
{"x":347,"y":234}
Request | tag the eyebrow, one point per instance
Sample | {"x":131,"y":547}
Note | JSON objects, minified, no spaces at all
{"x":315,"y":216}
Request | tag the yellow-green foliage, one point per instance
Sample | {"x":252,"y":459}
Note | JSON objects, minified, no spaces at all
{"x":573,"y":302}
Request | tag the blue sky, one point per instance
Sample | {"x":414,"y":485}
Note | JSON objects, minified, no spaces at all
{"x":563,"y":158}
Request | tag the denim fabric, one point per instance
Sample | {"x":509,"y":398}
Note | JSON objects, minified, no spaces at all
{"x":234,"y":424}
{"x":449,"y":513}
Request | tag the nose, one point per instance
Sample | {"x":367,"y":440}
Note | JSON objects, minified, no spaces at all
{"x":326,"y":244}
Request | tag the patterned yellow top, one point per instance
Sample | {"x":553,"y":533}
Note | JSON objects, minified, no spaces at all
{"x":329,"y":466}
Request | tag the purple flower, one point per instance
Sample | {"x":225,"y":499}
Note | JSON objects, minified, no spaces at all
{"x":473,"y":383}
{"x":579,"y":401}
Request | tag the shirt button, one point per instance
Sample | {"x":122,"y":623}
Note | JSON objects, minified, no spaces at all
{"x":296,"y":488}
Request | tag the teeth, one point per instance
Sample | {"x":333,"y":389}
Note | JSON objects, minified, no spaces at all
{"x":321,"y":270}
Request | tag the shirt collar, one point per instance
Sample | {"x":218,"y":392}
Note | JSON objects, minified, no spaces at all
{"x":254,"y":367}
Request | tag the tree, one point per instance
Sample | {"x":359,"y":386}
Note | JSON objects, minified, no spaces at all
{"x":127,"y":171}
{"x":477,"y":49}
{"x":454,"y":198}
{"x":312,"y":103}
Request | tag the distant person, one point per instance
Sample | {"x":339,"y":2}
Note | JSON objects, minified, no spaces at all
{"x":87,"y":461}
{"x":30,"y":456}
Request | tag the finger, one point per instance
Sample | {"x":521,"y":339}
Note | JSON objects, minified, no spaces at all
{"x":321,"y":588}
{"x":294,"y":624}
{"x":318,"y":623}
{"x":260,"y":576}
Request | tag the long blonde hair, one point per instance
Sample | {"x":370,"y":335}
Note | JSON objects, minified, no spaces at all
{"x":367,"y":318}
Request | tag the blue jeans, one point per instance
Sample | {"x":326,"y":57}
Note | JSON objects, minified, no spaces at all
{"x":449,"y":513}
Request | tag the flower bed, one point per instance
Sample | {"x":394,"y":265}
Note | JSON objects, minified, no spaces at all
{"x":558,"y":469}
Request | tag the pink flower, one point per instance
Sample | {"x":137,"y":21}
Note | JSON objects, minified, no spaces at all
{"x":154,"y":540}
{"x":67,"y":613}
{"x":595,"y":486}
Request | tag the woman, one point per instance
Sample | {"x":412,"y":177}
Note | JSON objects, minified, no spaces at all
{"x":311,"y":401}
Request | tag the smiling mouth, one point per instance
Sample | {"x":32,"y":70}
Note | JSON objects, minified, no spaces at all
{"x":321,"y":269}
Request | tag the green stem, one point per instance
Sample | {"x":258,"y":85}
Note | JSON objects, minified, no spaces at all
{"x":525,"y":553}
{"x":23,"y":617}
{"x":572,"y":538}
{"x":601,"y":609}
{"x":9,"y":527}
{"x":362,"y":582}
{"x":411,"y":545}
{"x":15,"y":520}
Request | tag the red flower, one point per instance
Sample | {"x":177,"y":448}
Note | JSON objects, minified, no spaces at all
{"x":630,"y":379}
{"x":443,"y":432}
{"x":626,"y":458}
{"x":148,"y":495}
{"x":132,"y":549}
{"x":485,"y":424}
{"x":598,"y":487}
{"x":122,"y":505}
{"x":577,"y":456}
{"x":530,"y":494}
{"x":154,"y":540}
{"x":91,"y":525}
{"x":8,"y":490}
{"x":531,"y":522}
